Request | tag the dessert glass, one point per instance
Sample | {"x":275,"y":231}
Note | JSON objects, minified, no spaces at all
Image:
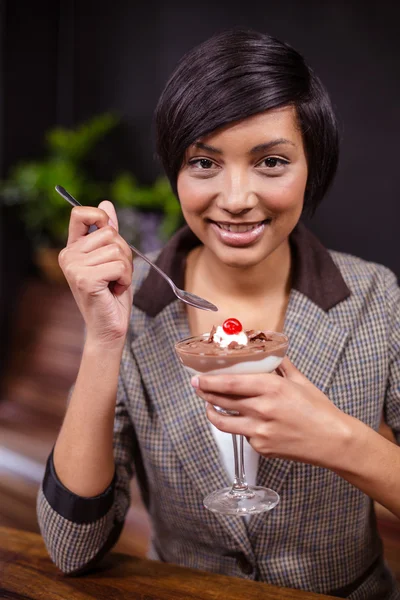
{"x":240,"y":499}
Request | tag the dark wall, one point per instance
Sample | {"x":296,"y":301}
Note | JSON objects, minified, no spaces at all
{"x":30,"y":76}
{"x":2,"y":294}
{"x":80,"y":58}
{"x":28,"y":62}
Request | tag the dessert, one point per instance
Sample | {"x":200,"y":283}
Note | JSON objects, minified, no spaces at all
{"x":230,"y":349}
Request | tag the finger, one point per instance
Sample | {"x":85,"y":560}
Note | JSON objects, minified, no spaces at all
{"x":244,"y":385}
{"x":82,"y":217}
{"x":288,"y":370}
{"x":230,"y":424}
{"x":109,"y":208}
{"x":245,"y":406}
{"x":94,"y":279}
{"x":110,"y":254}
{"x":118,"y":289}
{"x":100,"y":238}
{"x":107,"y":253}
{"x":119,"y":273}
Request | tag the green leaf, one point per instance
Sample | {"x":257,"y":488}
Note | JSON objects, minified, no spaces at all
{"x":46,"y":214}
{"x":75,"y":144}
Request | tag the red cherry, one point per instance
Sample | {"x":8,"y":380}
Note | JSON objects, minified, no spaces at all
{"x":232,"y":326}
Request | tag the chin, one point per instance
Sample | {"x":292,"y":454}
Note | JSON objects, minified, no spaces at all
{"x":240,"y":258}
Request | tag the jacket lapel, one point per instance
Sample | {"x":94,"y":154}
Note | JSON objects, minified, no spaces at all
{"x":180,"y":409}
{"x":316,"y":344}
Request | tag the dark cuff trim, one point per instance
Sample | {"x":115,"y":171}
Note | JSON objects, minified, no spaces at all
{"x":70,"y":506}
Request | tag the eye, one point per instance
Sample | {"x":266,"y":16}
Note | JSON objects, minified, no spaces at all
{"x":202,"y":163}
{"x":273,"y":162}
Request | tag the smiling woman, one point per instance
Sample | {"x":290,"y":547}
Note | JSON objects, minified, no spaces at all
{"x":248,"y":139}
{"x":251,"y":189}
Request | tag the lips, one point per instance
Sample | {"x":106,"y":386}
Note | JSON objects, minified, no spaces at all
{"x":239,"y":234}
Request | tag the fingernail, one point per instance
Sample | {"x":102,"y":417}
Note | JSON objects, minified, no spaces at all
{"x":111,"y":222}
{"x":195,"y":381}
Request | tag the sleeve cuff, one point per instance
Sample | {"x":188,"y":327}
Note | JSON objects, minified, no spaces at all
{"x":70,"y":506}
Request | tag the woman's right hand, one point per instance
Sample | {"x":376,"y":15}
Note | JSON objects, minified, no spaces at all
{"x":98,"y":268}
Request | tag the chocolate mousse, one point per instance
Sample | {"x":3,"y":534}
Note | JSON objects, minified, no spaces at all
{"x":258,"y":341}
{"x":204,"y":354}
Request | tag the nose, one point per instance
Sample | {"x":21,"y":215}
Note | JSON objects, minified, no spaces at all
{"x":236,"y":195}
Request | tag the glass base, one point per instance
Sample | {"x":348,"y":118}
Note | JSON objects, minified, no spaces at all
{"x":253,"y":501}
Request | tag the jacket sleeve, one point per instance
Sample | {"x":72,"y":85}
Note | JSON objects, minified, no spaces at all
{"x":392,"y":398}
{"x":79,"y":531}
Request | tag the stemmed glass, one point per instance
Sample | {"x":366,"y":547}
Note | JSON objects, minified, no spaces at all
{"x":240,"y":499}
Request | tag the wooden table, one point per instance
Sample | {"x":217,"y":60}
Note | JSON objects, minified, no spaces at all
{"x":27,"y":573}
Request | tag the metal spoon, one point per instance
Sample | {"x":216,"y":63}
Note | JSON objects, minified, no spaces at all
{"x":191,"y":299}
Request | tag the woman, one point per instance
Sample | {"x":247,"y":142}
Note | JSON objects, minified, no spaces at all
{"x":248,"y":139}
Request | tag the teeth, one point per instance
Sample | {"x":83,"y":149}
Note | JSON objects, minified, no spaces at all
{"x":238,"y":228}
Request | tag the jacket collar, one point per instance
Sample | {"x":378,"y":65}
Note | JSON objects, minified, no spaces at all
{"x":315,"y":275}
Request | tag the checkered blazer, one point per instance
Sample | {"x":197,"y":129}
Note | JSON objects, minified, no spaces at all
{"x":343,"y":323}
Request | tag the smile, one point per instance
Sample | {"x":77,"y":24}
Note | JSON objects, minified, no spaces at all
{"x":241,"y":228}
{"x":239,"y":235}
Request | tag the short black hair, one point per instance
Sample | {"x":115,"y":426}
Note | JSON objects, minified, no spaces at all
{"x":234,"y":75}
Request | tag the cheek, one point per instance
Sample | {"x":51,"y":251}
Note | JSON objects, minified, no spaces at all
{"x":194,"y":198}
{"x":286,"y":194}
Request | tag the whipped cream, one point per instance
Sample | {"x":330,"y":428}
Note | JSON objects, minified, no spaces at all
{"x":224,"y":339}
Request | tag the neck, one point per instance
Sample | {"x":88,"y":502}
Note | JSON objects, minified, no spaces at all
{"x":269,"y":277}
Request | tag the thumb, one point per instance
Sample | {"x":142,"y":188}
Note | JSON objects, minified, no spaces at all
{"x":108,"y":208}
{"x":288,"y":370}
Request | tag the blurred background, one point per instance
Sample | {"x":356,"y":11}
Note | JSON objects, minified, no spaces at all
{"x":78,"y":86}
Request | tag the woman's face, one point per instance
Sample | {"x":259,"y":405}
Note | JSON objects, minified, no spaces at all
{"x":242,"y":187}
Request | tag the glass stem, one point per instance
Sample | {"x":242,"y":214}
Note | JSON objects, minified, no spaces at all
{"x":240,"y":483}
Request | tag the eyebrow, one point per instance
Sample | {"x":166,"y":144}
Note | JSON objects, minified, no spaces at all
{"x":271,"y":144}
{"x":255,"y":150}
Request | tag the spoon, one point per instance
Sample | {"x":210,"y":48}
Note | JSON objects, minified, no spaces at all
{"x":187,"y":297}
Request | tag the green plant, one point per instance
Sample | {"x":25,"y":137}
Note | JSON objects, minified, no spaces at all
{"x":158,"y":197}
{"x":30,"y":185}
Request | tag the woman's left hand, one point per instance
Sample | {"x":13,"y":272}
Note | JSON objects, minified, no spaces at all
{"x":281,"y":416}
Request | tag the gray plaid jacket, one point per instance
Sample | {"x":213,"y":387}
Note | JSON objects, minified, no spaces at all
{"x":343,"y":322}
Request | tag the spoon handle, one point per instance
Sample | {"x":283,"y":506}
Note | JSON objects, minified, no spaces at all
{"x":67,"y":196}
{"x":63,"y":192}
